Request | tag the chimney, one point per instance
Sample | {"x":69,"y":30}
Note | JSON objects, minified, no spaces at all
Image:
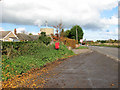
{"x":15,"y":31}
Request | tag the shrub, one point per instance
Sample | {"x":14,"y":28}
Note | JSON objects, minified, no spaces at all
{"x":46,"y":40}
{"x":69,"y":42}
{"x":43,"y":33}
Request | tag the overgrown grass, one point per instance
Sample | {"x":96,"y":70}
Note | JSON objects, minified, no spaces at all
{"x":34,"y":57}
{"x":82,"y":47}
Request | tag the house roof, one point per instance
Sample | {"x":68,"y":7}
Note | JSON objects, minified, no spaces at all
{"x":22,"y":36}
{"x":34,"y":37}
{"x":13,"y":37}
{"x":4,"y":33}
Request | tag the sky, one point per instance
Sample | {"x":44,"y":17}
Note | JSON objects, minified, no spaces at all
{"x":98,"y":19}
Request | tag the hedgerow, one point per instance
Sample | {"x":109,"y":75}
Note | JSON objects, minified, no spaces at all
{"x":68,"y":42}
{"x":27,"y":55}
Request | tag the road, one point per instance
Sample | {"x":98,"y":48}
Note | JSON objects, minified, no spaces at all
{"x":91,"y":70}
{"x":87,"y":70}
{"x":108,"y":51}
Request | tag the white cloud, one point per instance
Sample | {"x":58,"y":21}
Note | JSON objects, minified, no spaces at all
{"x":34,"y":33}
{"x":21,"y":30}
{"x":113,"y":32}
{"x":111,"y":21}
{"x":1,"y":29}
{"x":83,"y":12}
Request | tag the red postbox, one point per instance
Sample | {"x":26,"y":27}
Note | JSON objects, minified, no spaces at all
{"x":57,"y":45}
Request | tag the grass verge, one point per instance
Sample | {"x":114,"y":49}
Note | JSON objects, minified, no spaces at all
{"x":82,"y":47}
{"x":102,"y":45}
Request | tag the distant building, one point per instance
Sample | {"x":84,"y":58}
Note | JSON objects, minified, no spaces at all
{"x":48,"y":31}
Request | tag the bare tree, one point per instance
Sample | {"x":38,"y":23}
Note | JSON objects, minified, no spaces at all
{"x":59,"y":28}
{"x":24,"y":32}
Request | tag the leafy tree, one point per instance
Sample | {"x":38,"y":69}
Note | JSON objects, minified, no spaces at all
{"x":30,"y":34}
{"x":67,"y":33}
{"x":72,"y":33}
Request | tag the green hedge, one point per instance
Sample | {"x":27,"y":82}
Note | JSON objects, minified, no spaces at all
{"x":30,"y":55}
{"x":15,"y":45}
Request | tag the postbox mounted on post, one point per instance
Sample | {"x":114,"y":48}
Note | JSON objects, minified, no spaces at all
{"x":57,"y":45}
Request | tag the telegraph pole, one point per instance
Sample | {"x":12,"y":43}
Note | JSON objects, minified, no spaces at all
{"x":46,"y":23}
{"x":76,"y":34}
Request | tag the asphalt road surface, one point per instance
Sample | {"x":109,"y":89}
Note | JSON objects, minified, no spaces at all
{"x":88,"y":70}
{"x":108,"y":51}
